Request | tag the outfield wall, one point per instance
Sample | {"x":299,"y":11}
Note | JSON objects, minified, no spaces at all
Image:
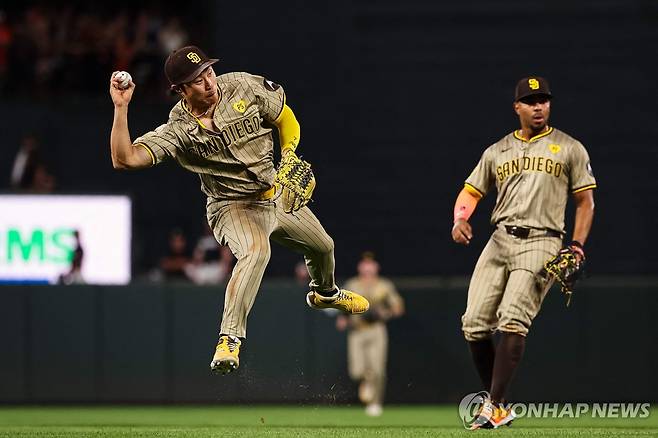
{"x":154,"y":344}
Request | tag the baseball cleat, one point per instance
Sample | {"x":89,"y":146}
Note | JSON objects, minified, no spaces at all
{"x":344,"y":300}
{"x":502,"y":417}
{"x":226,"y":358}
{"x":483,"y":419}
{"x":374,"y":410}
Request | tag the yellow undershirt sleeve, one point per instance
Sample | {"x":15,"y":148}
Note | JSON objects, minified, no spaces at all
{"x":289,"y":130}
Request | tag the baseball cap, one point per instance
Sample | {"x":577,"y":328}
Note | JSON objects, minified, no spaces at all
{"x":185,"y":64}
{"x":530,"y":86}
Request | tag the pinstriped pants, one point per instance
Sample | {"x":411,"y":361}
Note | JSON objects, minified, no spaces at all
{"x":504,"y":293}
{"x":367,"y":351}
{"x":247,"y":227}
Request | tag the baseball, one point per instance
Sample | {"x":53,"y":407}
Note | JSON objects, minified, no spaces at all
{"x":124,"y":79}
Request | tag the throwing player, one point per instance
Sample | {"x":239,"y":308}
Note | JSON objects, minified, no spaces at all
{"x":534,"y":169}
{"x":217,"y":131}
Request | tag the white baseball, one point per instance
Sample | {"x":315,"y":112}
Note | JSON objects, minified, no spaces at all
{"x":124,"y":79}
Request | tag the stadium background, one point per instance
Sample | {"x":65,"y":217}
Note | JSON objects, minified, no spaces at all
{"x":396,"y":103}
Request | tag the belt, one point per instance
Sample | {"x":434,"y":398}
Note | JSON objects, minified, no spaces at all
{"x":267,"y":194}
{"x":524,"y":233}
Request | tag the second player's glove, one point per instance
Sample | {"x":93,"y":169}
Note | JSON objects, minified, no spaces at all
{"x":566,"y":268}
{"x":294,"y":182}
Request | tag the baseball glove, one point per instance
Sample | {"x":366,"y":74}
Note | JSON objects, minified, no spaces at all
{"x":565,"y":269}
{"x":294,"y":182}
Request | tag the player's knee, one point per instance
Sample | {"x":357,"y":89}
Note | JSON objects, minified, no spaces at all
{"x":514,"y":327}
{"x":476,"y":335}
{"x":259,"y":253}
{"x":515,"y":321}
{"x":325,"y":246}
{"x":474,"y":328}
{"x":328,"y":245}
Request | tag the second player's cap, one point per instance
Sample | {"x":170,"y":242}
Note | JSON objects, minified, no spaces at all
{"x":185,"y":64}
{"x":530,"y":86}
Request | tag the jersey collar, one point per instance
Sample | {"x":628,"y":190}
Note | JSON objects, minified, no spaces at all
{"x":517,"y":134}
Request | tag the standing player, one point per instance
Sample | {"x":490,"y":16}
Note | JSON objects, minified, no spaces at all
{"x":533,"y":169}
{"x":216,"y":130}
{"x":367,"y":341}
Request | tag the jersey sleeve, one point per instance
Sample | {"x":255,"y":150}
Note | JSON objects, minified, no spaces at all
{"x":482,"y":176}
{"x":581,"y":177}
{"x":161,"y":143}
{"x":270,"y":97}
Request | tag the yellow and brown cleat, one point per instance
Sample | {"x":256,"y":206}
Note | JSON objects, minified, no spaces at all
{"x":502,"y":417}
{"x":226,"y":358}
{"x":483,"y":417}
{"x":344,"y":300}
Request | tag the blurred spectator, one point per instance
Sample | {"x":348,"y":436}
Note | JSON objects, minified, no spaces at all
{"x":367,"y":340}
{"x":172,"y":36}
{"x":74,"y":275}
{"x":30,"y":172}
{"x":5,"y":40}
{"x":173,"y":265}
{"x":62,"y":47}
{"x":301,"y":274}
{"x":211,"y":263}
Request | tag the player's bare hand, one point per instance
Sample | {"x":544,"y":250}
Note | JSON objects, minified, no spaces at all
{"x":462,"y":232}
{"x":120,"y":97}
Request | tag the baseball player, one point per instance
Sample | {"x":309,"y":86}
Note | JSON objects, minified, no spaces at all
{"x":367,"y":340}
{"x":218,"y":131}
{"x":533,"y":169}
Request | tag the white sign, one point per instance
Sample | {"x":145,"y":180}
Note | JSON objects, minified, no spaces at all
{"x":37,"y":237}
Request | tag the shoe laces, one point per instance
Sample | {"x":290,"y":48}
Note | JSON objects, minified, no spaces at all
{"x":342,"y":295}
{"x":231,"y":344}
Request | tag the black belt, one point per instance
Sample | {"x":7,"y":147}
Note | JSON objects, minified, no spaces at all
{"x":524,"y":233}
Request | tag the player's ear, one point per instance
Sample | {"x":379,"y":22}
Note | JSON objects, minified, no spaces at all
{"x":515,"y":105}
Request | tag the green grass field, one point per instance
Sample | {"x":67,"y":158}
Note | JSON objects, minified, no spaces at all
{"x":290,"y":421}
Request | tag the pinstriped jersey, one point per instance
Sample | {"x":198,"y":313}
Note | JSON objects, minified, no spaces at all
{"x":381,"y":294}
{"x":235,"y":157}
{"x":533,"y":178}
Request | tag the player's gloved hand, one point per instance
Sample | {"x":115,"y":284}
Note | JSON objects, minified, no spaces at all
{"x":294,"y":182}
{"x":567,"y":267}
{"x":462,"y":232}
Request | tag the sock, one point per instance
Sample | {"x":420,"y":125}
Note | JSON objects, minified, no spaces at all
{"x":328,"y":293}
{"x":483,"y":354}
{"x":508,"y":355}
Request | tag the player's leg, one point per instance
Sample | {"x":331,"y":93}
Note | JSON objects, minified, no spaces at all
{"x":356,"y":361}
{"x":484,"y":295}
{"x":302,"y":232}
{"x":378,"y":352}
{"x":514,"y":323}
{"x":245,"y":227}
{"x":520,"y":304}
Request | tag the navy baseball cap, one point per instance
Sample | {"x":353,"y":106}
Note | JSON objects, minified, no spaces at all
{"x":531,"y":86}
{"x":185,"y":64}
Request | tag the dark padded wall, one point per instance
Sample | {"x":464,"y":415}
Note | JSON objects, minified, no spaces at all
{"x":154,"y":344}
